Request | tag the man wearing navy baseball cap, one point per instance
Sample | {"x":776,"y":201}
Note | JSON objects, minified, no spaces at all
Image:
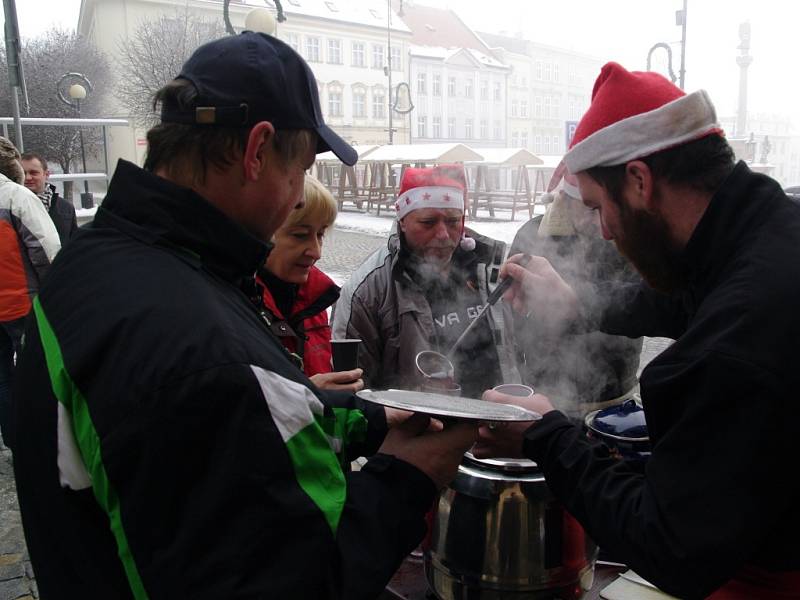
{"x":168,"y":446}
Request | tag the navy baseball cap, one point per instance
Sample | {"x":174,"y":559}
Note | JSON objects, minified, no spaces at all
{"x":251,"y":77}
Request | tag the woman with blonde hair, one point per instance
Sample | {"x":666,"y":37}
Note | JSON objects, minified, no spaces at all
{"x":297,"y":294}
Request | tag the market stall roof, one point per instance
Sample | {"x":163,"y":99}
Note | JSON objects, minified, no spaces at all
{"x":507,"y":157}
{"x":363,"y":150}
{"x":423,"y":153}
{"x":549,"y":161}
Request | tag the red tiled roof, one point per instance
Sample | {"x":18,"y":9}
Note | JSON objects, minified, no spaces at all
{"x":439,"y":27}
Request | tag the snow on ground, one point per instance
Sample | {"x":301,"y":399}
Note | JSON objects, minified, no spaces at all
{"x":499,"y":228}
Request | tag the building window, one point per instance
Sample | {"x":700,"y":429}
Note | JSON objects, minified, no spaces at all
{"x":523,"y":139}
{"x":547,"y":67}
{"x":556,"y":142}
{"x":359,"y":102}
{"x":498,"y":94}
{"x":537,"y":106}
{"x":293,"y":40}
{"x":546,"y":107}
{"x":437,"y":127}
{"x":539,"y":70}
{"x":498,"y":131}
{"x":555,"y":72}
{"x":484,"y":89}
{"x":335,"y":102}
{"x":378,"y":61}
{"x":523,"y":108}
{"x":451,"y":128}
{"x":514,"y":108}
{"x":378,"y":103}
{"x":437,"y":85}
{"x":514,"y":140}
{"x":451,"y":87}
{"x":312,"y":49}
{"x":335,"y":52}
{"x":468,"y":88}
{"x":547,"y":144}
{"x":422,"y":126}
{"x":396,"y":62}
{"x":537,"y":143}
{"x":422,"y":84}
{"x":358,"y":55}
{"x":484,"y":129}
{"x":468,"y":129}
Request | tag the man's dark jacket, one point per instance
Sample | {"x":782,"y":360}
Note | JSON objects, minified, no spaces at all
{"x":62,"y":213}
{"x":721,"y":489}
{"x":168,"y":447}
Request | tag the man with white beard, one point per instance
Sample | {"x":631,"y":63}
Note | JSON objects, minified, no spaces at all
{"x":422,"y":290}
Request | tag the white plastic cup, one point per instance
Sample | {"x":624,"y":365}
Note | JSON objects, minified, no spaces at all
{"x":514,"y":389}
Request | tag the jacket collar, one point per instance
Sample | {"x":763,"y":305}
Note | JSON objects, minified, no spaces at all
{"x":736,"y":210}
{"x":317,"y":294}
{"x":161,"y":213}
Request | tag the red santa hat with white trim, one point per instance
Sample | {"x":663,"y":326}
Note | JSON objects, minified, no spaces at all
{"x":634,"y":114}
{"x":442,"y":186}
{"x":568,"y":182}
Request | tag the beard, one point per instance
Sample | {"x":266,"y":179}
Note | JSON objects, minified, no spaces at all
{"x":648,"y":246}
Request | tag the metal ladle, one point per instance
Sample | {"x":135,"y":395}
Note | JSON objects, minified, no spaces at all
{"x":433,"y":365}
{"x":490,"y":301}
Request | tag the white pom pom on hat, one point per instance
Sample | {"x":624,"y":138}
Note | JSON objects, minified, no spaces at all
{"x":561,"y":176}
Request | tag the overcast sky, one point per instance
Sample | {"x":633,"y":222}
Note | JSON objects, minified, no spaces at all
{"x":621,"y":30}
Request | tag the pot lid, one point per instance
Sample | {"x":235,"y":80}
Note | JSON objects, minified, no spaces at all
{"x":624,"y":420}
{"x":509,"y":465}
{"x":440,"y":405}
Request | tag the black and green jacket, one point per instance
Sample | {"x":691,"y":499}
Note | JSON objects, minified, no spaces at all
{"x":168,"y":448}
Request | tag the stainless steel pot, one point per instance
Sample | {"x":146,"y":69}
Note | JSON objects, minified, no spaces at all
{"x":498,"y":533}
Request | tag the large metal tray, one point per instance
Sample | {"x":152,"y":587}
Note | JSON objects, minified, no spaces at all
{"x":449,"y":406}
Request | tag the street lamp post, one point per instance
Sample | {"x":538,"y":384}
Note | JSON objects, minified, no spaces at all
{"x":402,"y":87}
{"x":76,"y":93}
{"x":680,"y":19}
{"x":258,"y":19}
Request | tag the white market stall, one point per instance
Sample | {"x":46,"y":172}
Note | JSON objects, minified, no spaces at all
{"x":384,"y":161}
{"x":342,"y":180}
{"x":486,"y":189}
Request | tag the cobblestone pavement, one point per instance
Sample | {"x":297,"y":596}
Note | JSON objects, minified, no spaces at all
{"x":343,"y":252}
{"x":16,"y":576}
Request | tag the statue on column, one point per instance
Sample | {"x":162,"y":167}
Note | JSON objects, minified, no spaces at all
{"x":766,"y":147}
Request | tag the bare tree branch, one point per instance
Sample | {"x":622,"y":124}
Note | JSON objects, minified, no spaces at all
{"x":45,"y":60}
{"x":154,"y":54}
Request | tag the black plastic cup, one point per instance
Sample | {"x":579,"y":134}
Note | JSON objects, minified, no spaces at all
{"x":345,"y":354}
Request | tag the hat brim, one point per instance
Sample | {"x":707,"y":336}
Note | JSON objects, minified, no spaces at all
{"x":329,"y":140}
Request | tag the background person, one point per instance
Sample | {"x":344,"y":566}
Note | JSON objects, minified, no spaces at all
{"x":169,"y":448}
{"x":579,"y":370}
{"x":28,"y":243}
{"x":421,"y":290}
{"x":297,"y":294}
{"x":61,"y":210}
{"x":714,"y":514}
